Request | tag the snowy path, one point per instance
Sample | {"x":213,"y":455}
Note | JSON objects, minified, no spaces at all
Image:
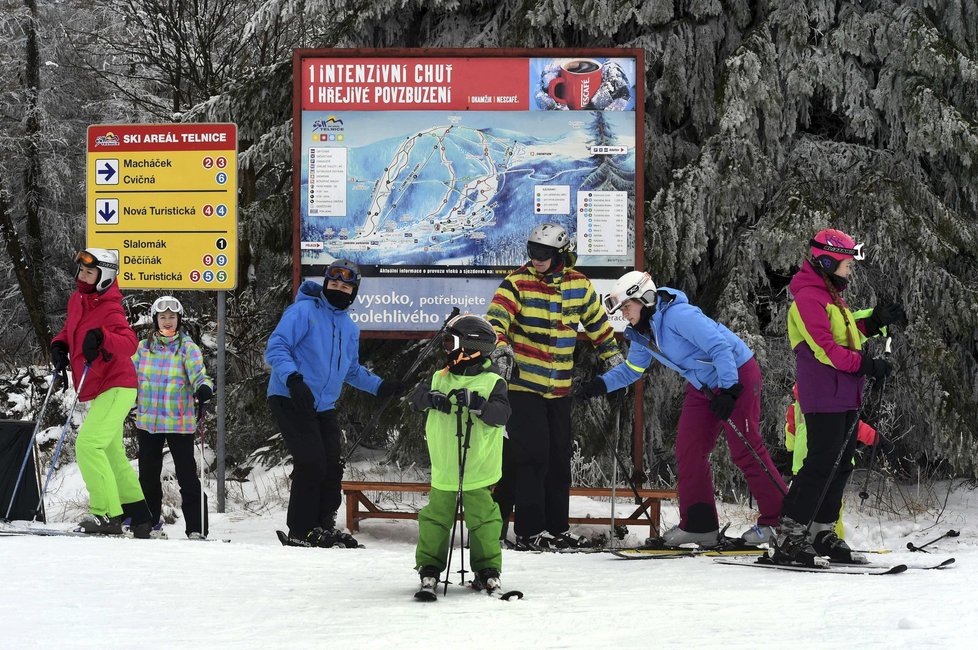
{"x":69,"y":592}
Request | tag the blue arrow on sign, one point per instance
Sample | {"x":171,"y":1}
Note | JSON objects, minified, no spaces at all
{"x":109,"y":171}
{"x":106,"y":212}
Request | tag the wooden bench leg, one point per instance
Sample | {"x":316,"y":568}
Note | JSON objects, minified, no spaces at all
{"x":352,"y":510}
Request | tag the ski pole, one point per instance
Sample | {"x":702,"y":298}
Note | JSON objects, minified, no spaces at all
{"x":463,"y":448}
{"x":30,"y":445}
{"x":950,"y":533}
{"x":61,"y":440}
{"x":709,"y":395}
{"x":426,"y":352}
{"x":631,"y":483}
{"x":864,"y":493}
{"x":200,"y":447}
{"x":616,"y":405}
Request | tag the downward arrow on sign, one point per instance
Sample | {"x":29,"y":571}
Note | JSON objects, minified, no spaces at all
{"x":106,"y":212}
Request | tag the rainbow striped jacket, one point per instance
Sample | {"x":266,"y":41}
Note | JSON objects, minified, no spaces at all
{"x":538,"y":315}
{"x":169,"y":371}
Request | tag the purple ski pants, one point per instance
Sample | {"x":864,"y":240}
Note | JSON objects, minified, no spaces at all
{"x":698,"y":432}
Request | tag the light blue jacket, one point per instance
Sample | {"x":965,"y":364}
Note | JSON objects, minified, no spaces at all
{"x":320,"y":342}
{"x":685,"y":339}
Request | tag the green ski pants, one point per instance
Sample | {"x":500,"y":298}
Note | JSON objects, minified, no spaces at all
{"x":481,"y":518}
{"x":110,"y":479}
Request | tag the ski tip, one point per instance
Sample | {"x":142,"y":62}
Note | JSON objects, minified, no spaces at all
{"x":515,"y":594}
{"x":282,"y":537}
{"x":426,"y":596}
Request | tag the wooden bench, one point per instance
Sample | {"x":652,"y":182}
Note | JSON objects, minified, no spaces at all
{"x":354,"y":492}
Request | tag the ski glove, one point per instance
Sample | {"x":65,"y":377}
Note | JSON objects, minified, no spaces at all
{"x":92,"y":344}
{"x":300,"y":392}
{"x":59,"y":356}
{"x":722,"y":402}
{"x":439,"y":401}
{"x":504,"y":360}
{"x":204,"y":394}
{"x":883,"y":315}
{"x":875,"y":368}
{"x":470,"y":399}
{"x":592,"y":389}
{"x":392,"y":388}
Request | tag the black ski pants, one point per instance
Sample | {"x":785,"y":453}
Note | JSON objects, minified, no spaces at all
{"x":151,"y":468}
{"x":313,"y":438}
{"x":536,"y":464}
{"x":827,"y":433}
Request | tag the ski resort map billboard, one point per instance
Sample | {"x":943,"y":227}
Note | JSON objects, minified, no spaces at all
{"x":429,"y":169}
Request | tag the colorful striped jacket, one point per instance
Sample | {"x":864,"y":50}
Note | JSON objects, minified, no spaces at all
{"x":170,"y":369}
{"x":538,"y":315}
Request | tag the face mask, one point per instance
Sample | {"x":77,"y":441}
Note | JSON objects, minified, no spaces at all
{"x":337,"y":298}
{"x":837,"y":282}
{"x":84,"y":287}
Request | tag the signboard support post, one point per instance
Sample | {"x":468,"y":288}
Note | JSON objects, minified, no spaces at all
{"x":221,"y":395}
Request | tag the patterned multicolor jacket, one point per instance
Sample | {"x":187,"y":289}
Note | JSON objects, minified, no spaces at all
{"x":538,"y":316}
{"x":170,"y":369}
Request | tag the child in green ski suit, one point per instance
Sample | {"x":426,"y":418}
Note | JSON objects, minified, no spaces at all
{"x":465,"y":395}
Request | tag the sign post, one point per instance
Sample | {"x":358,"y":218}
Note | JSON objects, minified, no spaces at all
{"x":164,"y":196}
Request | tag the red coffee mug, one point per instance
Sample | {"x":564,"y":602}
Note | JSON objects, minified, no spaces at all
{"x":576,"y":84}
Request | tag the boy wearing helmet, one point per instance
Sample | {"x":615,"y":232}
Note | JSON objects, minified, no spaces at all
{"x":313,"y":351}
{"x":830,"y":368}
{"x":723,"y":387}
{"x":467,"y":394}
{"x":97,"y":343}
{"x":536,"y":312}
{"x":173,"y":387}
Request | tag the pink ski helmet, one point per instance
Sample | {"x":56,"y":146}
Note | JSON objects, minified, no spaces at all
{"x":830,"y":246}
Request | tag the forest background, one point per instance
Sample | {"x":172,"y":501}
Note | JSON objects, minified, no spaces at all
{"x":764,"y":121}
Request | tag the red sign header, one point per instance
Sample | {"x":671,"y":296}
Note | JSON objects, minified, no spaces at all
{"x":406,"y":84}
{"x":162,"y":137}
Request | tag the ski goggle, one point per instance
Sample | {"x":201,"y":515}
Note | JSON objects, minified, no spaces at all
{"x":856,"y":251}
{"x":612,"y":303}
{"x":167,"y":303}
{"x":341,"y":273}
{"x":539,"y":252}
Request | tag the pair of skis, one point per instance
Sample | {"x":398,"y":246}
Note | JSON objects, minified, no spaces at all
{"x":764,"y":562}
{"x":430,"y":595}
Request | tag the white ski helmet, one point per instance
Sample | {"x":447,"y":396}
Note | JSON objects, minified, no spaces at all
{"x":166,"y":303}
{"x":550,"y":234}
{"x":634,"y":285}
{"x":105,"y":260}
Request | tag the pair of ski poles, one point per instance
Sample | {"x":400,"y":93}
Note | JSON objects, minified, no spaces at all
{"x":57,"y":449}
{"x":462,"y":396}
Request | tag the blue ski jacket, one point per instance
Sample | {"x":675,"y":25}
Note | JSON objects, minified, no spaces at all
{"x":685,"y":339}
{"x":321,"y":343}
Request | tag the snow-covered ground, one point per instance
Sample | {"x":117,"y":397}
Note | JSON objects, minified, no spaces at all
{"x":58,"y":592}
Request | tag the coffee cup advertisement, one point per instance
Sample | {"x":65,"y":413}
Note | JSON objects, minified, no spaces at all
{"x":576,"y":84}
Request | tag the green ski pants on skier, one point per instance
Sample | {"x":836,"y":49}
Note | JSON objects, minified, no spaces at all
{"x":110,"y":479}
{"x":481,"y":518}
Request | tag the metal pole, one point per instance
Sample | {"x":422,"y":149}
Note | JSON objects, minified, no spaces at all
{"x":221,"y":410}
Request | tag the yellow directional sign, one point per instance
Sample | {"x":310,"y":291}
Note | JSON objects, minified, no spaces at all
{"x":165,"y":197}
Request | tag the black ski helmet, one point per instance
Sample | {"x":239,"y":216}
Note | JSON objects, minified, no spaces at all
{"x":468,"y":336}
{"x":344,"y":271}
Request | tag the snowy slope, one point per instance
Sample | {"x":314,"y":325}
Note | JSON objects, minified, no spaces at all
{"x":252,"y":592}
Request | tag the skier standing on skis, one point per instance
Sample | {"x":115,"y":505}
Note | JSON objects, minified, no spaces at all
{"x":466,"y":388}
{"x":536,"y":312}
{"x":97,"y":342}
{"x":313,"y":351}
{"x":830,"y":368}
{"x":724,"y":383}
{"x":173,"y":387}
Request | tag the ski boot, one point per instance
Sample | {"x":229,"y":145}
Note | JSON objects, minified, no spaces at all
{"x":828,"y":544}
{"x":574,"y":541}
{"x":542,"y":541}
{"x":794,"y":547}
{"x":487,"y":580}
{"x":759,"y":534}
{"x":429,"y":584}
{"x":311,"y":539}
{"x":100,"y":525}
{"x":676,"y":536}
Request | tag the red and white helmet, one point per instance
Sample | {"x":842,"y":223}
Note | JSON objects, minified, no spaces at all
{"x":830,"y":246}
{"x":634,"y":285}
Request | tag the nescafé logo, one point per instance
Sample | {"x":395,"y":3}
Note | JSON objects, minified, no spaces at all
{"x":108,"y":140}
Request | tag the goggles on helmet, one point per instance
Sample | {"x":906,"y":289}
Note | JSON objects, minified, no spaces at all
{"x":341,"y":273}
{"x":539,"y":252}
{"x":166,"y":303}
{"x":86,"y":259}
{"x":856,"y":251}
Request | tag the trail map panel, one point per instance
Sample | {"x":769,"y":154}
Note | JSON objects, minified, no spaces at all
{"x":430,"y":171}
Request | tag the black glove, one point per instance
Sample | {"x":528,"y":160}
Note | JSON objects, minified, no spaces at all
{"x":875,"y":368}
{"x":204,"y":394}
{"x":592,"y":389}
{"x":470,"y":399}
{"x":300,"y":392}
{"x":392,"y":388}
{"x":92,"y":344}
{"x":884,"y":315}
{"x":59,"y":356}
{"x":722,"y":402}
{"x":439,"y":401}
